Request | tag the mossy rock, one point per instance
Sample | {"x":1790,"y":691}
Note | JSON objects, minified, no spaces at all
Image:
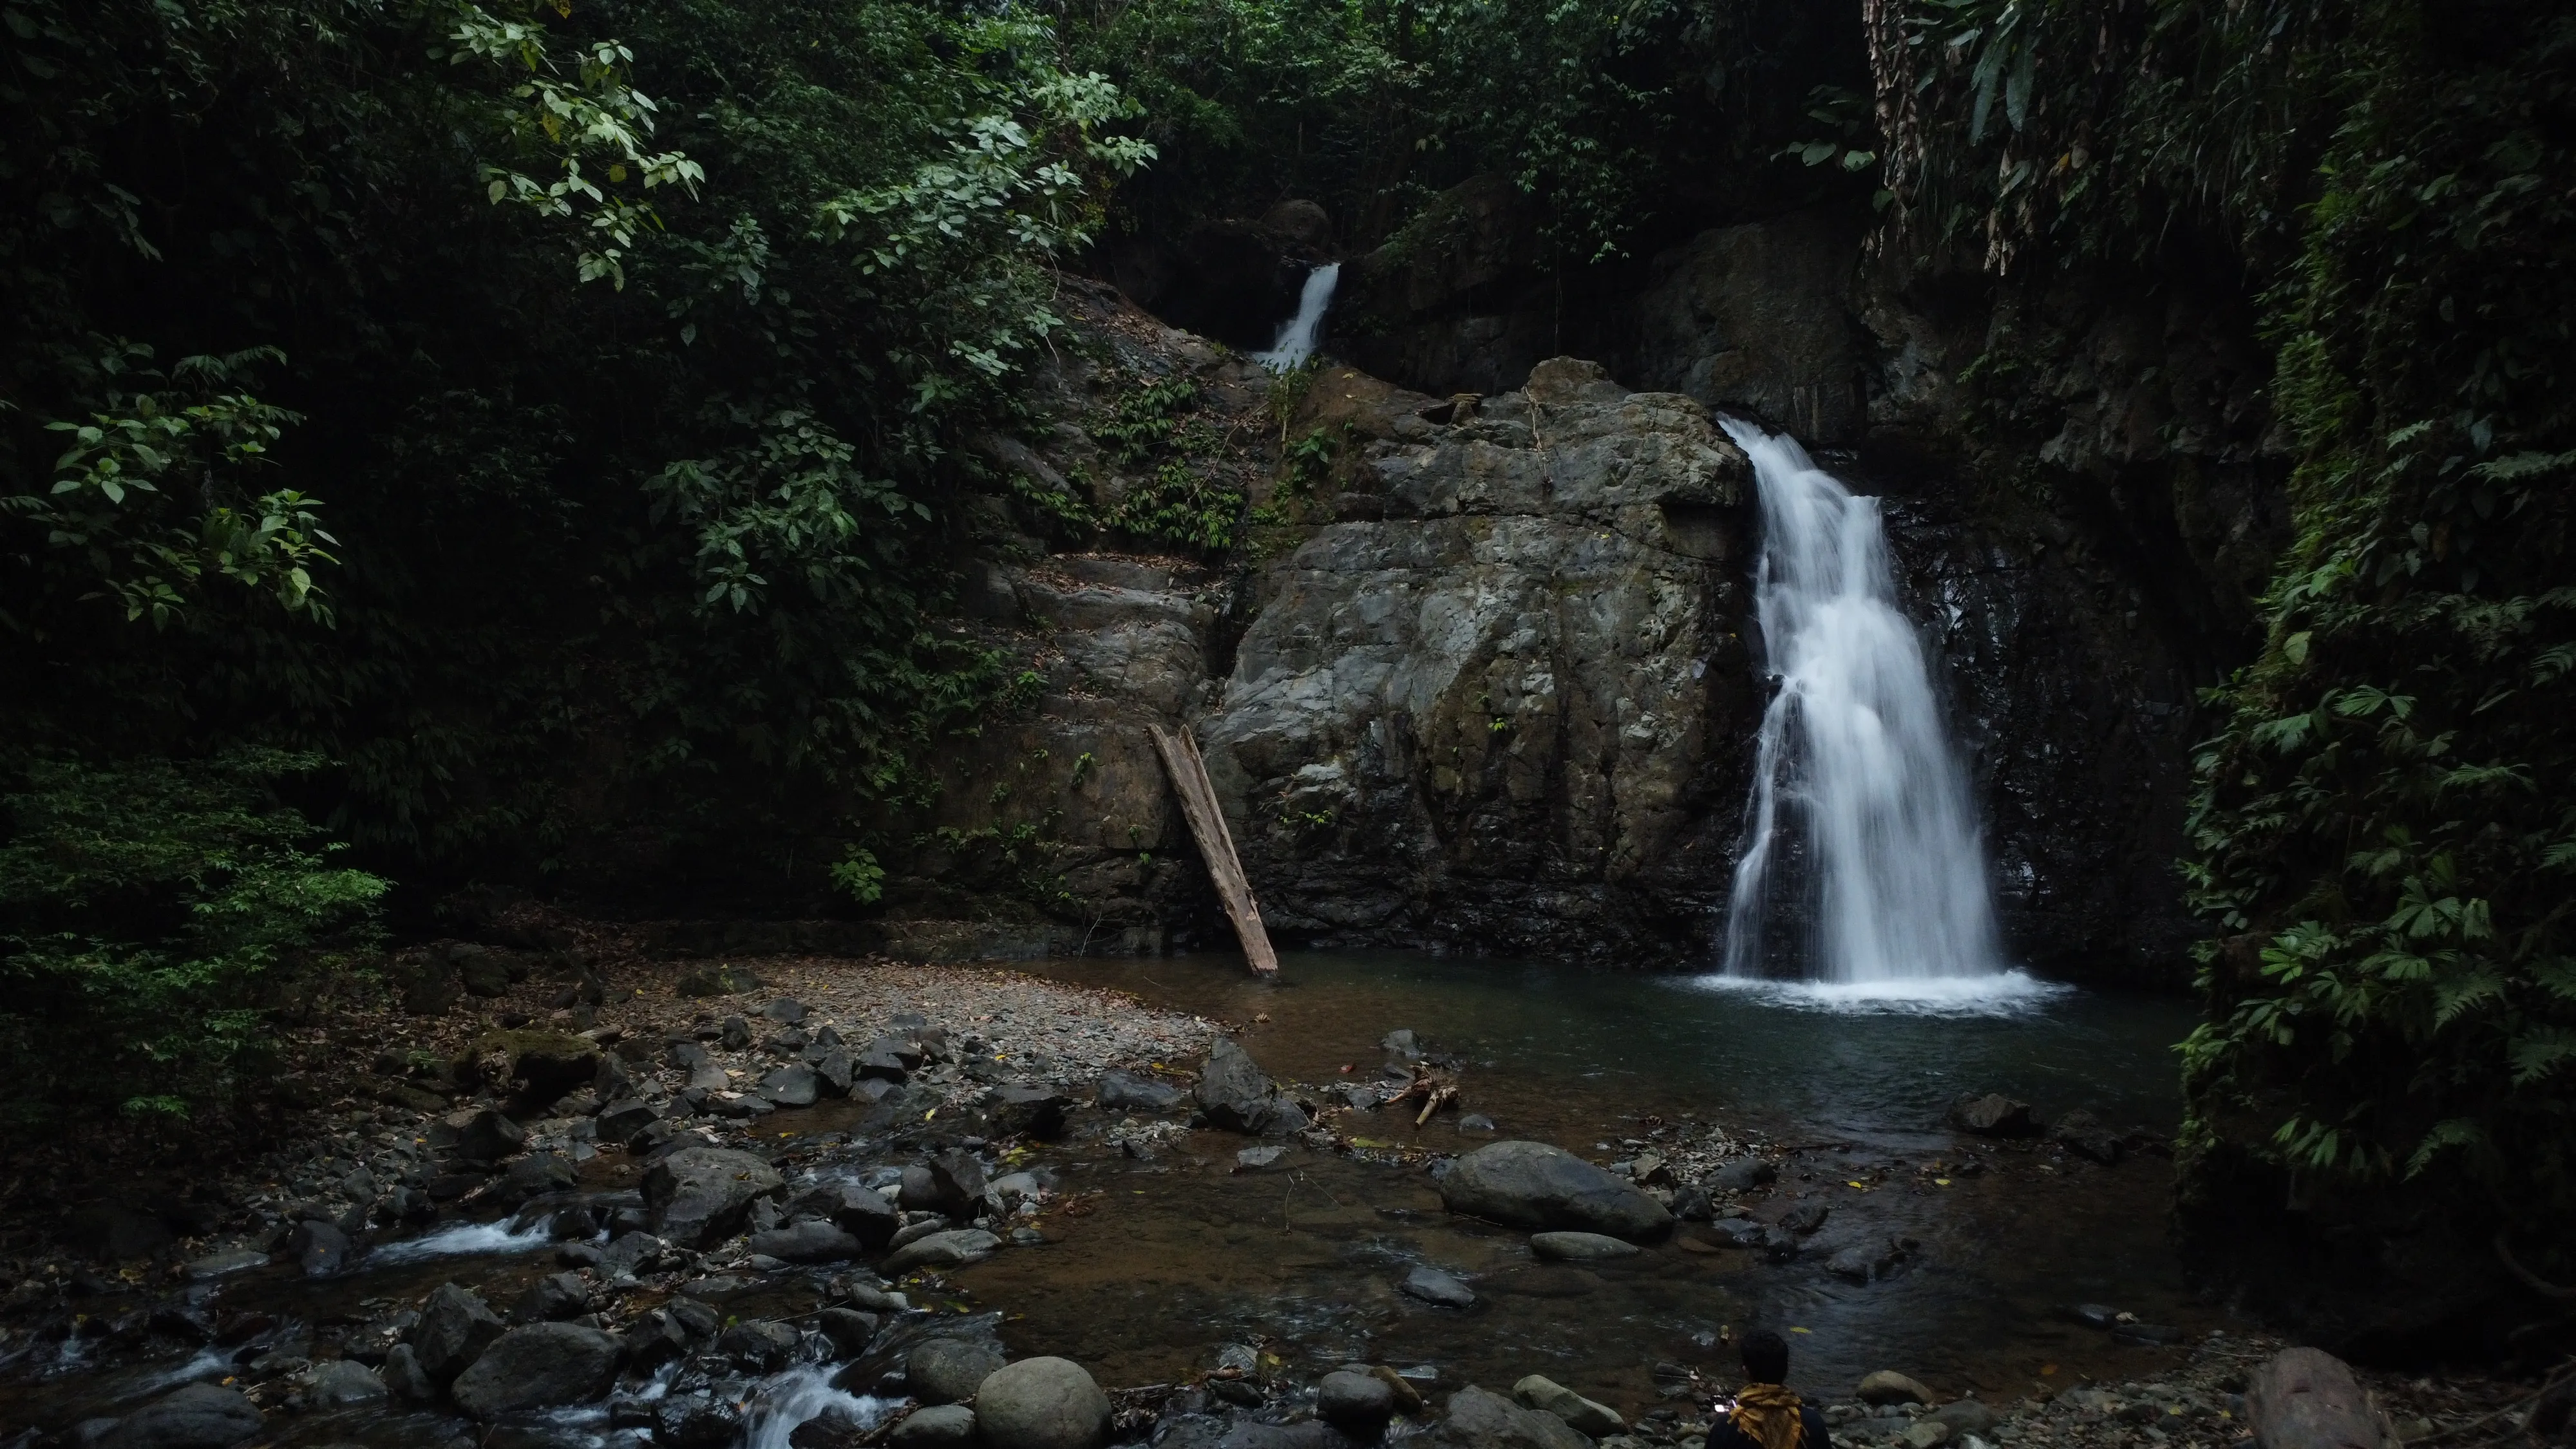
{"x":550,"y":1063}
{"x":719,"y":981}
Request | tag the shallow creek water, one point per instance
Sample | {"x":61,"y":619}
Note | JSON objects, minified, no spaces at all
{"x":1186,"y":1250}
{"x":1151,"y":1264}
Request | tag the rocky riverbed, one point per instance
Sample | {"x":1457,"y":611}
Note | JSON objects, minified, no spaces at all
{"x":817,"y":1202}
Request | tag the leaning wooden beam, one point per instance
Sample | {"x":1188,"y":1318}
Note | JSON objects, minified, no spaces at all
{"x":1181,"y":757}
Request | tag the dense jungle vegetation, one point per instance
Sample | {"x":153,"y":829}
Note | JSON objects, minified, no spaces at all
{"x":501,"y":435}
{"x":2384,"y":830}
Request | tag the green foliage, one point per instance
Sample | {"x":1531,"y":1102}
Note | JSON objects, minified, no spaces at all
{"x":1178,"y":503}
{"x":667,"y":551}
{"x":150,"y":546}
{"x":859,"y":876}
{"x":1605,"y":115}
{"x":143,"y":909}
{"x":2382,"y":832}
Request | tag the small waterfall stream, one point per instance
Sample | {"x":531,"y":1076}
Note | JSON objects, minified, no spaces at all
{"x":1862,"y":863}
{"x":1298,"y":335}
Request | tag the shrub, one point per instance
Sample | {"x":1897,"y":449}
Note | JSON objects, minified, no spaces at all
{"x":143,"y":908}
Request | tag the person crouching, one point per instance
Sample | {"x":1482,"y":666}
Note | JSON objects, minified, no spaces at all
{"x":1764,"y":1414}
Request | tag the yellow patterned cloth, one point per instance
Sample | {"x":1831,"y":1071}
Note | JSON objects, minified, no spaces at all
{"x":1768,"y":1415}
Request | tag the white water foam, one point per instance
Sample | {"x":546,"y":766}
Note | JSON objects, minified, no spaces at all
{"x":790,"y":1398}
{"x":205,"y":1363}
{"x":1855,"y":770}
{"x":463,"y":1240}
{"x":1297,"y":335}
{"x":2002,"y":993}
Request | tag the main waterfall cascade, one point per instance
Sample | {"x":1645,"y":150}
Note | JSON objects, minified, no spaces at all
{"x":1298,"y":335}
{"x":1861,"y":816}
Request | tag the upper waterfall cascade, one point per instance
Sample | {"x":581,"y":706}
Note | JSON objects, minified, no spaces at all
{"x":1298,"y":335}
{"x":1861,"y":814}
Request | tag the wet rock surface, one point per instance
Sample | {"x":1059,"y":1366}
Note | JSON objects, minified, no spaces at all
{"x":1495,"y":687}
{"x":1042,"y":1403}
{"x":1537,"y":1185}
{"x":538,"y":1366}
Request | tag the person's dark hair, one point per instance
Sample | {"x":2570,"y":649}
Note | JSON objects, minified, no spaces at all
{"x":1766,"y":1357}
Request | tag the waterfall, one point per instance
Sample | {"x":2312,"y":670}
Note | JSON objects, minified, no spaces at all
{"x":1861,"y":819}
{"x":1297,"y":335}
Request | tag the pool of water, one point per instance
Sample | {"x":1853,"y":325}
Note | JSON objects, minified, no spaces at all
{"x":1813,"y":1063}
{"x":1303,"y":1257}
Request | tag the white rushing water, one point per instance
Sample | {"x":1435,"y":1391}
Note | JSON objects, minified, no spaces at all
{"x":1860,"y":804}
{"x":458,"y":1240}
{"x":1298,"y":334}
{"x":786,"y":1400}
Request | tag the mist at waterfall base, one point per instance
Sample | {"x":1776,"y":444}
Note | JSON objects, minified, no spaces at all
{"x":1862,"y":868}
{"x":1298,"y":335}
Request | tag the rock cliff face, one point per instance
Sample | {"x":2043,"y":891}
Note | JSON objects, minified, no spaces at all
{"x":2081,"y":490}
{"x":1481,"y":686}
{"x":1499,"y":704}
{"x":1478,"y":680}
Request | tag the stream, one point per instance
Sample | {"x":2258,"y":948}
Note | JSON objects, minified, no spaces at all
{"x":1156,"y":1261}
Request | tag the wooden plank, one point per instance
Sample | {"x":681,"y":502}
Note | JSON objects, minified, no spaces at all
{"x":1188,"y":769}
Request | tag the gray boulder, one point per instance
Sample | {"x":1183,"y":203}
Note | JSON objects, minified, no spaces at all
{"x":620,"y":1121}
{"x":811,"y":1241}
{"x":345,"y":1381}
{"x":941,"y":1426}
{"x":489,"y":1136}
{"x":1023,"y":1109}
{"x":698,"y":1196}
{"x":1123,"y":1092}
{"x":1581,"y":1247}
{"x":851,"y":1330}
{"x":952,"y":1249}
{"x":1357,"y":1404}
{"x":1042,"y":1403}
{"x":531,"y":1176}
{"x":793,"y":1085}
{"x":2306,"y":1398}
{"x":2083,"y":1134}
{"x":1887,"y":1386}
{"x":833,"y":1071}
{"x":1966,"y":1416}
{"x":1233,"y":1091}
{"x":199,"y":1416}
{"x":854,"y":1209}
{"x":455,"y":1327}
{"x":945,"y":1370}
{"x":555,"y":1296}
{"x":319,"y":1248}
{"x":529,"y":1368}
{"x":403,"y":1375}
{"x":917,"y":1192}
{"x":1481,"y":1419}
{"x":760,"y":1345}
{"x":1736,"y":1233}
{"x":697,"y":1421}
{"x":1993,"y":1115}
{"x":1579,"y":1413}
{"x":1745,"y":1174}
{"x":956,"y":1184}
{"x":1435,"y":1287}
{"x":1536,"y":1186}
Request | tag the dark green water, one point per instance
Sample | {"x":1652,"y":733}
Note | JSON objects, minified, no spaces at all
{"x":1660,"y":1040}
